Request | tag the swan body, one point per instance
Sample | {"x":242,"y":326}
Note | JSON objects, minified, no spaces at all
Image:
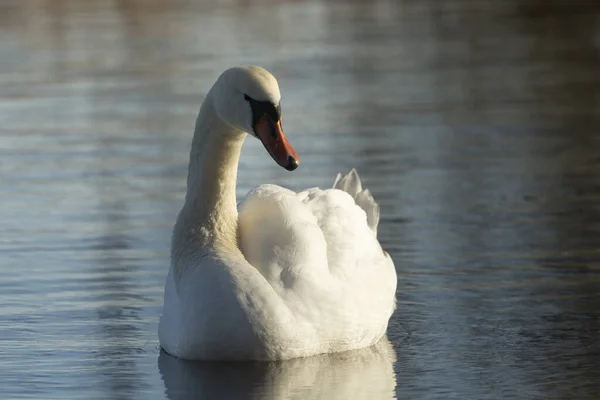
{"x":281,"y":274}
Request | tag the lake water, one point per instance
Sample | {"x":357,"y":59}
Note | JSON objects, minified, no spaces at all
{"x":474,"y":123}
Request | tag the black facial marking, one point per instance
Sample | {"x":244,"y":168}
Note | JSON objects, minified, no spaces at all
{"x":260,"y":108}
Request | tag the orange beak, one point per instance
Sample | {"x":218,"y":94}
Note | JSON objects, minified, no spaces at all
{"x":272,"y":137}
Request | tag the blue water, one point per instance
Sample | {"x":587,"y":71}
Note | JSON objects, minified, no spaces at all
{"x":474,"y":124}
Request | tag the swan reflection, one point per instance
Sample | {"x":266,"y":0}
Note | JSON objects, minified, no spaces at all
{"x":360,"y":374}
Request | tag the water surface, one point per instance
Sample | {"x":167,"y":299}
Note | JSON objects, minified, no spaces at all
{"x":475,"y":125}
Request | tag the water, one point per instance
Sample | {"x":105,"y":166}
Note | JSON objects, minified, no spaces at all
{"x":475,"y":124}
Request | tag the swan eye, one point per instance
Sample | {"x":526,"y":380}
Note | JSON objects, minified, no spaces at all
{"x":260,"y":108}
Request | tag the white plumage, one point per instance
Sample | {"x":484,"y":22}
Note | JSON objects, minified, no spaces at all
{"x":283,"y":274}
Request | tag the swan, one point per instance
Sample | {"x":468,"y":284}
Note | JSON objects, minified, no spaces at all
{"x":280,"y":275}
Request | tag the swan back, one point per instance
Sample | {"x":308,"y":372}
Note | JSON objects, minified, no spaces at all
{"x":322,"y":258}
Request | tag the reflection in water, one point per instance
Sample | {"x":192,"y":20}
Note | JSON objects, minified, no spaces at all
{"x":474,"y":123}
{"x":363,"y":374}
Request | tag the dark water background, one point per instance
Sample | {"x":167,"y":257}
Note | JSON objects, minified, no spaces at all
{"x":474,"y":123}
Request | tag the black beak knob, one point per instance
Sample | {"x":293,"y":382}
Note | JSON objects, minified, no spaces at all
{"x":292,"y":164}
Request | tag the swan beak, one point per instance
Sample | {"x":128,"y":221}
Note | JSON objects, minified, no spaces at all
{"x":271,"y":135}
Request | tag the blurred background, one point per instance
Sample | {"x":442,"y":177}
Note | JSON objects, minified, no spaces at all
{"x":474,"y":123}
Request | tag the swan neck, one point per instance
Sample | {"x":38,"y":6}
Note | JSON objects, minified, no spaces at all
{"x":210,"y":210}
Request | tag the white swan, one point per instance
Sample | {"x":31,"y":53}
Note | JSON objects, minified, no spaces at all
{"x":291,"y":275}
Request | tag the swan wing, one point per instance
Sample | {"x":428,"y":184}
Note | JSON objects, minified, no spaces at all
{"x":318,"y":249}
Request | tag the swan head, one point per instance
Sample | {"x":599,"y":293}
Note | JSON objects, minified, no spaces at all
{"x":248,"y":99}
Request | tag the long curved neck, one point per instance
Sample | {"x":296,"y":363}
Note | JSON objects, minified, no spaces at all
{"x":209,"y":215}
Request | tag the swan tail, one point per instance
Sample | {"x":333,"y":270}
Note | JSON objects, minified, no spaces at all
{"x":351,"y":184}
